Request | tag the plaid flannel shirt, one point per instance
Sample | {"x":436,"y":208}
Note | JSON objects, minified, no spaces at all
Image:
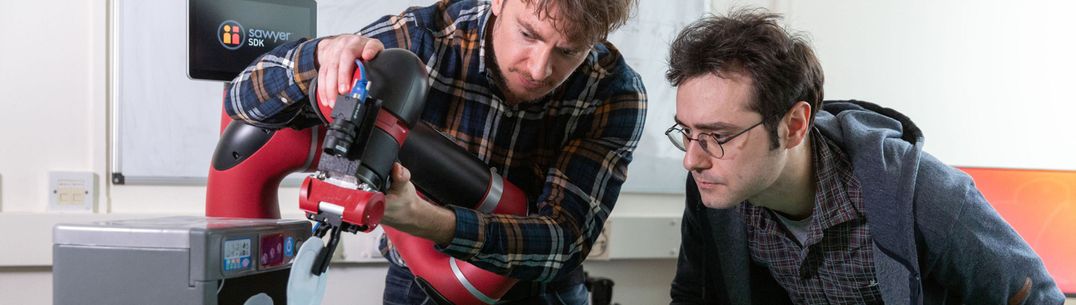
{"x":835,"y":265}
{"x":568,"y":152}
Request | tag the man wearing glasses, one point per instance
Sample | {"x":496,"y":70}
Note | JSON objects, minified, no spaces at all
{"x":792,"y":203}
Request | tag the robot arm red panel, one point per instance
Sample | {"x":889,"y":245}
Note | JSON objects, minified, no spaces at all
{"x":361,"y":208}
{"x":249,"y":164}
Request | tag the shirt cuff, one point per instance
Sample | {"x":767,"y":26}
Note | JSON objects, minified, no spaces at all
{"x":308,"y":56}
{"x":468,"y":239}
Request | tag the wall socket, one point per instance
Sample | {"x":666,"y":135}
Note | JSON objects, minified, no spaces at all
{"x":600,"y":249}
{"x":72,"y":192}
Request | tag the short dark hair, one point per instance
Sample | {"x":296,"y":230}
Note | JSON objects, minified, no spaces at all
{"x":749,"y":40}
{"x":587,"y":21}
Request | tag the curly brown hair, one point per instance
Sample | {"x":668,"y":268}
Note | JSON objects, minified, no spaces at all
{"x":586,"y":21}
{"x":750,"y":41}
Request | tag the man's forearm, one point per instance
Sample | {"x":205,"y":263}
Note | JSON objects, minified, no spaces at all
{"x":263,"y":93}
{"x":427,"y":221}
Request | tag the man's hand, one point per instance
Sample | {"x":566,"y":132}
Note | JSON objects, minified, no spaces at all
{"x":407,"y":212}
{"x":401,"y":198}
{"x":336,"y":59}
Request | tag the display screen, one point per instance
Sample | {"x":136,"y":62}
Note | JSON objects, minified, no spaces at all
{"x":227,"y":35}
{"x":1041,"y":206}
{"x":236,"y":254}
{"x":271,"y":252}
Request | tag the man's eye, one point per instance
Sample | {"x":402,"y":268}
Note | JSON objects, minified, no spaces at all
{"x":526,"y":35}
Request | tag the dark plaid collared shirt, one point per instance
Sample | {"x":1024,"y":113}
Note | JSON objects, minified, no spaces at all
{"x":569,"y":152}
{"x":836,"y":263}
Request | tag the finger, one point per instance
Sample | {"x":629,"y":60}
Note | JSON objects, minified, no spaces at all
{"x":373,"y":46}
{"x":330,"y":84}
{"x":346,"y":64}
{"x":321,"y":61}
{"x":400,"y":174}
{"x":326,"y":60}
{"x":405,"y":174}
{"x":327,"y":83}
{"x":397,"y":178}
{"x":322,"y":76}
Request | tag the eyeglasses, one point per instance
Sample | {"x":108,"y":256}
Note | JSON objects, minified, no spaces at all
{"x":709,"y":142}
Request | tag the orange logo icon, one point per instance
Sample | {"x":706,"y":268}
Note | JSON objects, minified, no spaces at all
{"x":230,"y":34}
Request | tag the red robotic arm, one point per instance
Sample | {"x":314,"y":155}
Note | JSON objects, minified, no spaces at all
{"x":249,"y":164}
{"x":353,"y":152}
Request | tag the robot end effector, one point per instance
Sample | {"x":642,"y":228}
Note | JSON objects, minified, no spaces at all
{"x":366,"y":130}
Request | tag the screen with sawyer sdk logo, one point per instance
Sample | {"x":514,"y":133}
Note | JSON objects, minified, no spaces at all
{"x":227,"y":35}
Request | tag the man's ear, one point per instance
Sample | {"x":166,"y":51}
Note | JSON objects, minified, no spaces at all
{"x":798,"y":122}
{"x":497,"y":6}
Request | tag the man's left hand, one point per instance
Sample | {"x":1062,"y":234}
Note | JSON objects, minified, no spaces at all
{"x":407,"y":212}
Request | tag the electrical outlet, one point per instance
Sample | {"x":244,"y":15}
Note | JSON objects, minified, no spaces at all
{"x":600,"y":249}
{"x":72,"y":192}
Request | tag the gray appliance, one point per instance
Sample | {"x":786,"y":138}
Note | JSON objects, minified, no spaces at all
{"x":175,"y":260}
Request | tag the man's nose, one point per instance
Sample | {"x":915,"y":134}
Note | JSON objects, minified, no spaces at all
{"x":696,"y":158}
{"x":540,"y":68}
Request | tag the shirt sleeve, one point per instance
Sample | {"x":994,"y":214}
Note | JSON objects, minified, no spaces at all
{"x":970,"y":249}
{"x":580,"y":190}
{"x":271,"y":92}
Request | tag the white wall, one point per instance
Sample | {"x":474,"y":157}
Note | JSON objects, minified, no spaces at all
{"x":53,"y":80}
{"x":986,"y":81}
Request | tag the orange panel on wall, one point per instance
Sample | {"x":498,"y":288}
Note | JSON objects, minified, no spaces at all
{"x":1041,"y":206}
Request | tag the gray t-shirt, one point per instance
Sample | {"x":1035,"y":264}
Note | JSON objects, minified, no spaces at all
{"x":798,"y":228}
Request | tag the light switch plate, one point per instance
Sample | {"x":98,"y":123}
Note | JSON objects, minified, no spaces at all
{"x":72,"y":192}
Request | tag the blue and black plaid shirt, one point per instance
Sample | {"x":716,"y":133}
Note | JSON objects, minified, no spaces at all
{"x":568,"y":152}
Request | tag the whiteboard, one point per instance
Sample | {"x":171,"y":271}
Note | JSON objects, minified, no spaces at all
{"x":644,"y":41}
{"x":165,"y":125}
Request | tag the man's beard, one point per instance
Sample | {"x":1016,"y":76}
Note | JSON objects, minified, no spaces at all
{"x":494,"y":69}
{"x":495,"y":74}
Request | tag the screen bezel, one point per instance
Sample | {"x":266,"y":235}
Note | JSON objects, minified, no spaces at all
{"x":203,"y":73}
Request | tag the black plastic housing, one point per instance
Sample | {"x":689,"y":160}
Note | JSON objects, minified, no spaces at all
{"x":398,"y":85}
{"x":239,"y":141}
{"x":443,"y":171}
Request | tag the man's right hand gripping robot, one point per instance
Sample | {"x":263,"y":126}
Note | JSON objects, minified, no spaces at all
{"x":368,"y":130}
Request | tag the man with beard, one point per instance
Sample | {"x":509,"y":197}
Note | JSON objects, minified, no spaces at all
{"x":530,"y":87}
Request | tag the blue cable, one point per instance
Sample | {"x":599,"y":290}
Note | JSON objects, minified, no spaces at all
{"x":358,"y":89}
